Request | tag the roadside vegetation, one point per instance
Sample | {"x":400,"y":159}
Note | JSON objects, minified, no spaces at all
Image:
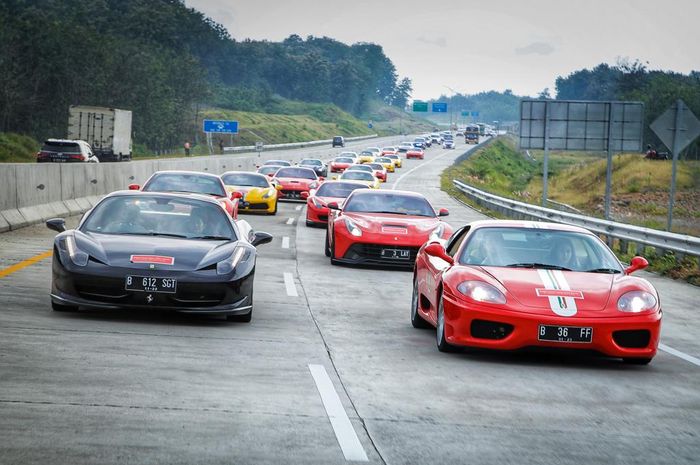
{"x":640,"y":190}
{"x":16,"y":148}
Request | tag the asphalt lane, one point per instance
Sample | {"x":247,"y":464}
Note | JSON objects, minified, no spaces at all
{"x":129,"y":387}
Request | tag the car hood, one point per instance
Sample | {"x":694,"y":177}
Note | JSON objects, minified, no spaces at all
{"x":298,"y":182}
{"x":393,"y":224}
{"x":547,"y":289}
{"x":187,"y":254}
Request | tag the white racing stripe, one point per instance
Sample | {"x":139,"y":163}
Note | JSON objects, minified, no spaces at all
{"x":342,"y":427}
{"x":290,"y":221}
{"x":285,"y":242}
{"x":555,"y":280}
{"x":289,"y":284}
{"x":679,"y":354}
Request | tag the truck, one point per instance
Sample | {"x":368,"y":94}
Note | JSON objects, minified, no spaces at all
{"x":471,"y":134}
{"x":107,"y":130}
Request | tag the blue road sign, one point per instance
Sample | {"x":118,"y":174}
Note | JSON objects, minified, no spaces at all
{"x":219,"y":126}
{"x":369,"y":124}
{"x":475,"y":113}
{"x":439,"y":107}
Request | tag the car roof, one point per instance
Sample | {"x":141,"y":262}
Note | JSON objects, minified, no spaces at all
{"x":188,"y":195}
{"x":527,"y":224}
{"x":252,"y":173}
{"x":189,"y":173}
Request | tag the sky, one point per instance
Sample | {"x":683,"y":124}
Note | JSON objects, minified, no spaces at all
{"x":472,"y":46}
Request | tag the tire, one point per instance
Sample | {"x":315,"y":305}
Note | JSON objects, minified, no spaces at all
{"x":332,"y":254}
{"x":274,"y":212}
{"x":63,"y":308}
{"x":242,"y":318}
{"x":327,"y":248}
{"x":416,"y":320}
{"x":442,"y":344}
{"x":637,"y":361}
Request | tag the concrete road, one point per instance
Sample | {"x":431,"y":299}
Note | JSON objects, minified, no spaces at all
{"x":129,"y":387}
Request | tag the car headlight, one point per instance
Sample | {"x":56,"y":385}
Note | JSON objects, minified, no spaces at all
{"x":481,"y":292}
{"x":636,"y":302}
{"x":229,"y":264}
{"x":77,"y":256}
{"x":353,"y":228}
{"x":269,"y":193}
{"x":438,"y":231}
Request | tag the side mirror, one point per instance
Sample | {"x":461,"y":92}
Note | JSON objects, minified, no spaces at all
{"x":260,"y":238}
{"x":443,"y":212}
{"x":236,"y":195}
{"x":637,"y":263}
{"x":333,"y":206}
{"x":56,"y":224}
{"x":436,"y":250}
{"x":304,"y":195}
{"x":278,"y":186}
{"x":134,"y":187}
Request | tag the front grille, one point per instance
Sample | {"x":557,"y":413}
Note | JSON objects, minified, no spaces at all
{"x":289,"y":194}
{"x":632,"y":339}
{"x":483,"y":329}
{"x":323,"y":217}
{"x":257,"y":206}
{"x":374,"y":252}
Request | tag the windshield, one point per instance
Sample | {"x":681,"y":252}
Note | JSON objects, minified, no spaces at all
{"x":364,"y":167}
{"x":337,"y":189}
{"x":160,"y":216}
{"x":186,"y":182}
{"x":348,"y":154}
{"x":376,"y":166}
{"x":383,"y":160}
{"x":344,"y":160}
{"x":356,"y":175}
{"x":401,"y":204}
{"x":367,"y":153}
{"x":268,"y":169}
{"x":61,"y":147}
{"x":310,"y":162}
{"x":244,"y":179}
{"x":538,"y":248}
{"x":278,"y":162}
{"x":303,"y":173}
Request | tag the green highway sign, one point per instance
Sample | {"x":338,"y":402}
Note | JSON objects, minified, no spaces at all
{"x":420,"y":106}
{"x":465,"y":113}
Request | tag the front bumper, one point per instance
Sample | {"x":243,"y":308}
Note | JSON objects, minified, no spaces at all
{"x":258,"y":205}
{"x":476,"y":325}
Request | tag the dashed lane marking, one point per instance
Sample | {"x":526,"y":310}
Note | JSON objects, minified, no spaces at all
{"x":289,"y":284}
{"x":285,"y":242}
{"x":679,"y":354}
{"x":290,"y":221}
{"x":298,"y":207}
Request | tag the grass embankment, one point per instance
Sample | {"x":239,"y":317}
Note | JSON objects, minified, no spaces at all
{"x":640,"y":189}
{"x":16,"y":148}
{"x":389,"y":120}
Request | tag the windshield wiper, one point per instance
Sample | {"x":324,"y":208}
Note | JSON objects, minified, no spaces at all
{"x":212,"y":238}
{"x":151,"y":234}
{"x":604,"y":270}
{"x":544,"y":266}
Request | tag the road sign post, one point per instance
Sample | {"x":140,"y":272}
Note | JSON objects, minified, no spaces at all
{"x":677,"y":127}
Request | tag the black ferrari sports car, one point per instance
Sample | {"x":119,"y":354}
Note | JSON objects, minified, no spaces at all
{"x":147,"y":250}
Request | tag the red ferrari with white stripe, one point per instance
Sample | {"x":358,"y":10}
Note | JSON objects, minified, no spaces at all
{"x":515,"y":284}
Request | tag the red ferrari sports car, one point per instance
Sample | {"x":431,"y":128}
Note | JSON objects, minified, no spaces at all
{"x":330,"y":191}
{"x":340,"y":164}
{"x":515,"y":284}
{"x":195,"y":182}
{"x":415,"y":152}
{"x":295,"y":182}
{"x":386,"y":228}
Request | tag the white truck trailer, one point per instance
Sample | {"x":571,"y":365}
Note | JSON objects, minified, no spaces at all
{"x":107,"y":130}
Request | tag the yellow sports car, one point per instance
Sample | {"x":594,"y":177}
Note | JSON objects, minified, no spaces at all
{"x":259,"y":194}
{"x":364,"y":177}
{"x":366,"y":156}
{"x":396,"y":159}
{"x":388,"y":163}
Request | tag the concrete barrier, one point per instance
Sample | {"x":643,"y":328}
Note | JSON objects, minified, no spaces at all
{"x":33,"y":193}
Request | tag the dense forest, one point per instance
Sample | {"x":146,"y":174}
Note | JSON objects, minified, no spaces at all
{"x":161,"y":60}
{"x":631,"y":80}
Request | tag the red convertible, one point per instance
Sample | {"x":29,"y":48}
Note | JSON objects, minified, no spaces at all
{"x":385,"y":228}
{"x":294,"y":183}
{"x":515,"y":284}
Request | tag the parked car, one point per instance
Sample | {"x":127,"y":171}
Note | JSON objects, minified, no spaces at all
{"x":66,"y":151}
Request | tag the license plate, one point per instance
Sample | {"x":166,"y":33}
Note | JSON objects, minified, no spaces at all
{"x":396,"y":254}
{"x":565,"y":334}
{"x":151,"y":284}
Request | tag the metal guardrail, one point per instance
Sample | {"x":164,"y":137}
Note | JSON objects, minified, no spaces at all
{"x":662,"y":241}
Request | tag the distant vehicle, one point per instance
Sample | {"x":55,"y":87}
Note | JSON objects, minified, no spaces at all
{"x":471,"y":134}
{"x":295,"y":182}
{"x":448,"y":144}
{"x":340,"y":164}
{"x":362,"y":167}
{"x":436,"y":138}
{"x":352,"y":155}
{"x":66,"y":151}
{"x":278,"y":163}
{"x":420,"y":142}
{"x":415,"y":152}
{"x":389,"y":150}
{"x":396,"y":159}
{"x":258,"y":193}
{"x":315,"y":164}
{"x":387,"y":163}
{"x":375,"y":150}
{"x":107,"y":130}
{"x":366,"y":156}
{"x":192,"y":182}
{"x":368,"y":179}
{"x":147,"y":251}
{"x":405,"y":147}
{"x":379,"y":171}
{"x":338,"y":141}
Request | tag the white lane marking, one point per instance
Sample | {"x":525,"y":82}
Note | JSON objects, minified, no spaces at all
{"x":298,"y":207}
{"x":289,"y":284}
{"x":449,"y":152}
{"x":290,"y":221}
{"x":344,"y":432}
{"x":679,"y":354}
{"x":285,"y":242}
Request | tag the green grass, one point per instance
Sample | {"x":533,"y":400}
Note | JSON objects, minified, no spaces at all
{"x":15,"y":148}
